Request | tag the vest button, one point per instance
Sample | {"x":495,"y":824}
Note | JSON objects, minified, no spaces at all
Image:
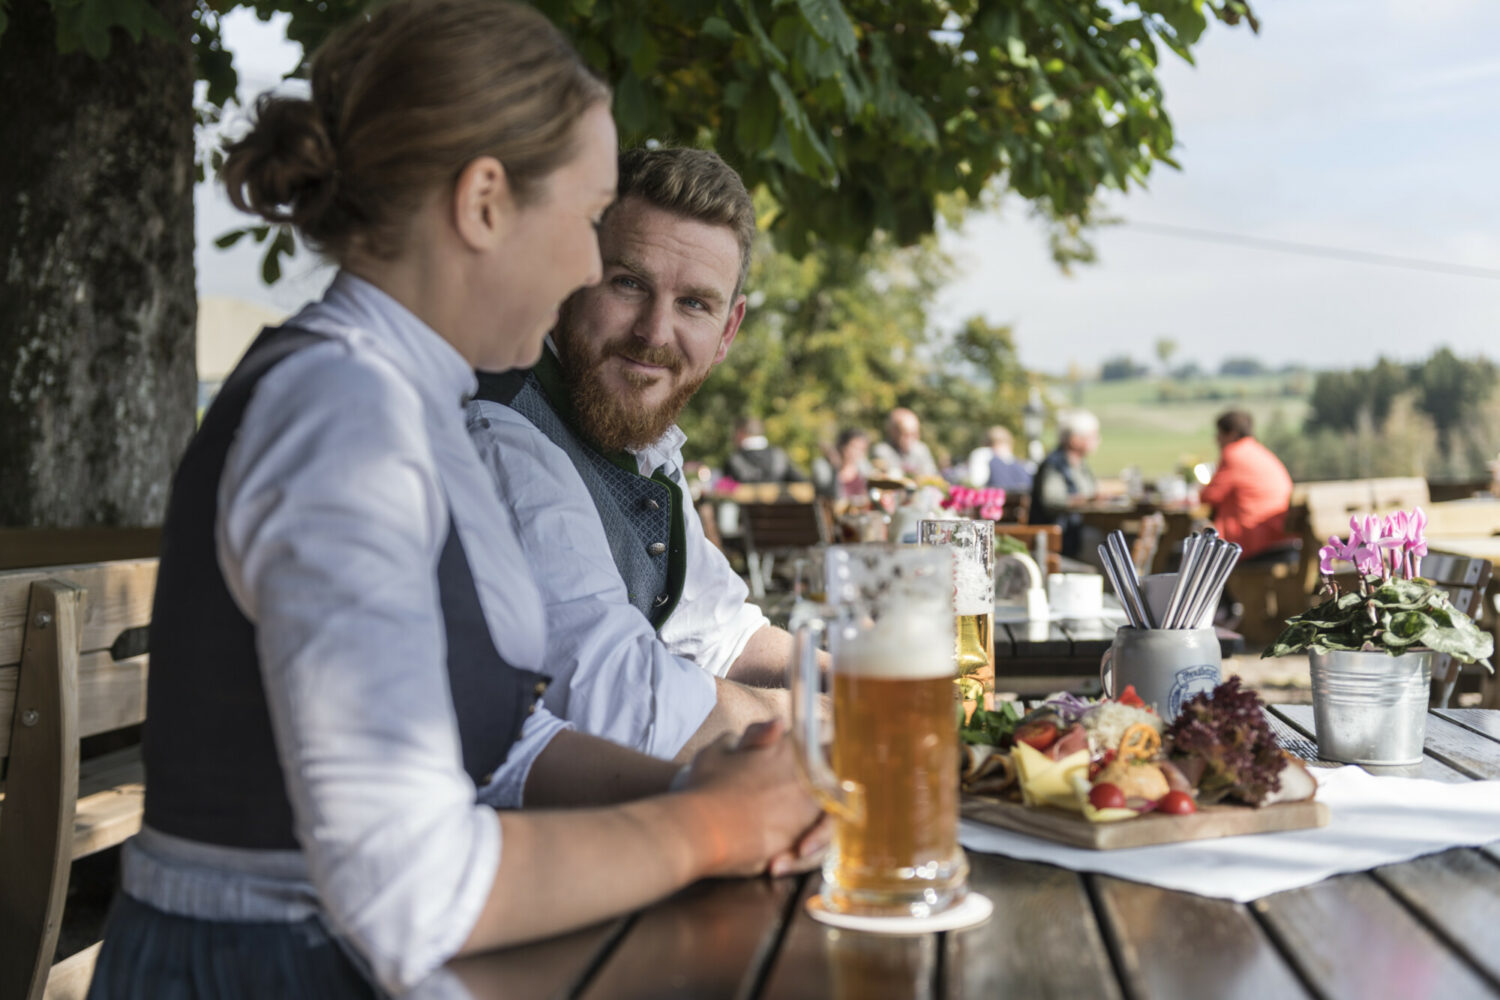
{"x":541,"y":688}
{"x":656,"y":548}
{"x":653,"y":505}
{"x":486,"y":779}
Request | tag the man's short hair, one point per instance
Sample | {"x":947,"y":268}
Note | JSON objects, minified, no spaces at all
{"x":693,"y":183}
{"x":1235,"y":424}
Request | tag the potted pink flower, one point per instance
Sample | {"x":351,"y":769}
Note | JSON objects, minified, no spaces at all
{"x":1370,"y":648}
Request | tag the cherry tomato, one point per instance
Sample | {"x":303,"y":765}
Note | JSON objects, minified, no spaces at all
{"x":1105,"y":759}
{"x":1038,"y":734}
{"x":1129,"y":697}
{"x":1106,"y":795}
{"x":1177,"y":803}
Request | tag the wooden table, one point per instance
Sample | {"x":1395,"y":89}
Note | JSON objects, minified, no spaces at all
{"x":1426,"y":928}
{"x":1044,"y":655}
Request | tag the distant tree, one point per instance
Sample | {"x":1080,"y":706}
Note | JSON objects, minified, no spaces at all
{"x":1187,"y":370}
{"x":858,"y":116}
{"x":1120,"y":368}
{"x":838,"y":338}
{"x":1242,"y":367}
{"x":1165,"y":348}
{"x":1451,"y":390}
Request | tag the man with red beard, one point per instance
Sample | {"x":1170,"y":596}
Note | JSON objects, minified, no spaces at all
{"x":649,"y":630}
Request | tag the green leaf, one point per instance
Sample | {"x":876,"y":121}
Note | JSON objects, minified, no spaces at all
{"x":719,"y":29}
{"x":230,"y":238}
{"x":762,"y":40}
{"x":830,"y":23}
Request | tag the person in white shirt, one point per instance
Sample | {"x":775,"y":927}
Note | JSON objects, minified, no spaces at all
{"x":655,"y":630}
{"x":347,"y":645}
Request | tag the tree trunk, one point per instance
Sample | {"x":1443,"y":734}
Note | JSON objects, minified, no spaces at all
{"x":98,"y":384}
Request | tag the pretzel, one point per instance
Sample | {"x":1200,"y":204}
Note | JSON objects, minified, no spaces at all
{"x":1140,"y":741}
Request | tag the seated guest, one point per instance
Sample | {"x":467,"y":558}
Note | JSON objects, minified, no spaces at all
{"x":755,"y":460}
{"x":1251,"y":490}
{"x":846,"y":472}
{"x":995,"y":465}
{"x":347,"y":644}
{"x":650,"y":628}
{"x":903,"y":454}
{"x":1064,"y":481}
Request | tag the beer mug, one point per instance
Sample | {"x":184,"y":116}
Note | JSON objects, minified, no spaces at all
{"x":973,"y":547}
{"x":892,"y":783}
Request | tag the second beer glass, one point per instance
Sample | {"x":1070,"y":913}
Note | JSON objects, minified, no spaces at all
{"x":973,"y":546}
{"x":892,"y":783}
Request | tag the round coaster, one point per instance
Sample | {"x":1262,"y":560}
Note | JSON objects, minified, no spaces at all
{"x":972,"y":911}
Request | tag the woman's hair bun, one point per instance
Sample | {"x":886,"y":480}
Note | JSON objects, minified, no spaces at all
{"x":285,"y":169}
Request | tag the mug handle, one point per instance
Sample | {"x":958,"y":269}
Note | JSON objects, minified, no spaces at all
{"x":1107,"y":671}
{"x":845,"y":800}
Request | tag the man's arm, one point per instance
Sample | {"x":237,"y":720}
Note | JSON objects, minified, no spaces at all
{"x":738,"y":706}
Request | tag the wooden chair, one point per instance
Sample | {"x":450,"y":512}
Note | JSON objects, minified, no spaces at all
{"x":1148,"y":535}
{"x":72,"y":664}
{"x":1017,"y":508}
{"x":772,"y":529}
{"x":1047,"y":552}
{"x":1464,"y":580}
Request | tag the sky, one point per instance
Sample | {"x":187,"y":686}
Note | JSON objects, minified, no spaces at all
{"x":1357,"y":125}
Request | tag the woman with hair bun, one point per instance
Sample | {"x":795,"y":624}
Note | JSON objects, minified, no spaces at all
{"x":347,"y":645}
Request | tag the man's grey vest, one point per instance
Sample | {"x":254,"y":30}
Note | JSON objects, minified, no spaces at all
{"x":642,"y":516}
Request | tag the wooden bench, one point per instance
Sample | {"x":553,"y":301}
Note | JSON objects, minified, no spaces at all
{"x":772,"y":529}
{"x":72,"y":665}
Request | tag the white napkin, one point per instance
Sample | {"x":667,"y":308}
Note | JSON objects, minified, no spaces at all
{"x":1373,"y":821}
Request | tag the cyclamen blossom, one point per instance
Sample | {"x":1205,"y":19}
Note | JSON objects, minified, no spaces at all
{"x":1380,"y":546}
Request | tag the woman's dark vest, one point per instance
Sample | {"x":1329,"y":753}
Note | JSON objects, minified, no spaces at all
{"x":212,"y":771}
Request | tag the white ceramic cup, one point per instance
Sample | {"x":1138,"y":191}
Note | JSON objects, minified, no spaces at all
{"x":1075,"y":595}
{"x":1157,"y":589}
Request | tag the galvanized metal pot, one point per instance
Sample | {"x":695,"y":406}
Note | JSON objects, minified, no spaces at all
{"x":1371,"y":708}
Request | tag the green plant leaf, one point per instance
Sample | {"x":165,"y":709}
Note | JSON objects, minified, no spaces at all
{"x":829,"y":22}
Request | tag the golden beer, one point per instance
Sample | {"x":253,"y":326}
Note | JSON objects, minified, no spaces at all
{"x":889,"y":779}
{"x":976,"y":645}
{"x":895,"y":738}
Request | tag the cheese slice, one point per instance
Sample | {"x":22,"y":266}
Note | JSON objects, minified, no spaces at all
{"x":1045,"y":781}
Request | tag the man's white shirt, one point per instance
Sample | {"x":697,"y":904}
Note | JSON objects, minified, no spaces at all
{"x":613,"y":675}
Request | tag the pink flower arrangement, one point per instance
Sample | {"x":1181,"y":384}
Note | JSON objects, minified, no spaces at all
{"x":988,"y":503}
{"x":1382,"y":547}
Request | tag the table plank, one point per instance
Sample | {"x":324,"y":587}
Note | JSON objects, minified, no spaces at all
{"x":1301,"y":718}
{"x":556,"y":967}
{"x":1038,"y":639}
{"x":1176,"y":944}
{"x":1042,"y":941}
{"x":816,"y":962}
{"x":1457,"y":892}
{"x":1348,"y":937}
{"x":1481,"y":720}
{"x":1462,"y":748}
{"x":710,"y":940}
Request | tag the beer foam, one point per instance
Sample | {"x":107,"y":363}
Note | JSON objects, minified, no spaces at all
{"x":905,"y":646}
{"x":973,"y":588}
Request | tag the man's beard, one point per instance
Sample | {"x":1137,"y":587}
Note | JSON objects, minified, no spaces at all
{"x":610,"y":420}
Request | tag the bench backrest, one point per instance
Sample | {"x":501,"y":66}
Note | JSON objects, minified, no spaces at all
{"x":72,"y":664}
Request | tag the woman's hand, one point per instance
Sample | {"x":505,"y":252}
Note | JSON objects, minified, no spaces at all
{"x":753,"y":806}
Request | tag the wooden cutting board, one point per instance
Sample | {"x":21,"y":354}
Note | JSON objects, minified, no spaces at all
{"x":1153,"y":828}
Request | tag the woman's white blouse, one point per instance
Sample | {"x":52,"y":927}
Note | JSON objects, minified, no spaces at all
{"x":334,"y":505}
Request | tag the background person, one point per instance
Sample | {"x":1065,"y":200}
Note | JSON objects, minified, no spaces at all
{"x":347,"y":643}
{"x":847,"y":470}
{"x":1251,"y":491}
{"x":903,"y":454}
{"x":995,"y":464}
{"x":756,"y":460}
{"x":1064,"y":481}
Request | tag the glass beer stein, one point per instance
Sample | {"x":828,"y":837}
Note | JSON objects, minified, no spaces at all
{"x":973,"y":546}
{"x":890,"y":779}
